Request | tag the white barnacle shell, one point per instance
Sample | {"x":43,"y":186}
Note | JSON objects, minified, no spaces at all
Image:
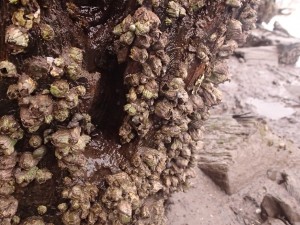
{"x":7,"y":69}
{"x":142,"y":28}
{"x":234,"y":3}
{"x":26,"y":85}
{"x":175,"y":10}
{"x":17,"y":38}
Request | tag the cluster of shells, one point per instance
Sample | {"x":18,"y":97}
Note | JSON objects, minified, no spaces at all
{"x":164,"y":105}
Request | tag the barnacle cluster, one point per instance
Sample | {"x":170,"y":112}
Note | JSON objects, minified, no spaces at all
{"x":26,"y":16}
{"x":144,"y":44}
{"x":10,"y":134}
{"x":81,"y":199}
{"x":177,"y":113}
{"x":171,"y":81}
{"x":40,"y":106}
{"x":47,"y":93}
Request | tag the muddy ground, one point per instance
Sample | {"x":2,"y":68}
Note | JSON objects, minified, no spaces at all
{"x":269,"y":93}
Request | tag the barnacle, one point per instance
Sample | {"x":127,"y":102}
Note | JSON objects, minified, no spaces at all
{"x":73,"y":71}
{"x":220,"y":73}
{"x":17,"y":38}
{"x":13,"y":92}
{"x":155,"y":3}
{"x":42,"y":175}
{"x":27,"y":161}
{"x":6,"y":145}
{"x":140,"y":55}
{"x":42,"y":209}
{"x":62,"y":207}
{"x":20,"y":19}
{"x":175,"y":10}
{"x":71,"y":217}
{"x":142,"y":28}
{"x":60,"y":88}
{"x":35,"y":110}
{"x":13,"y":1}
{"x":7,"y":69}
{"x":80,"y":90}
{"x":72,"y":99}
{"x":66,"y":137}
{"x":248,"y":18}
{"x":234,"y":30}
{"x":35,"y":141}
{"x":24,"y":177}
{"x":33,"y":221}
{"x":61,"y":111}
{"x":9,"y":126}
{"x":81,"y":198}
{"x":164,"y":109}
{"x":57,"y":70}
{"x":8,"y":206}
{"x":76,"y":54}
{"x":7,"y":187}
{"x":26,"y":85}
{"x":47,"y":32}
{"x":125,"y":212}
{"x":227,"y":49}
{"x":234,"y":3}
{"x":127,"y":38}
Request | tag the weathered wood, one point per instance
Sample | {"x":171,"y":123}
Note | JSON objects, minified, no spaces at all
{"x":235,"y":152}
{"x":259,"y":55}
{"x":262,"y":37}
{"x":278,"y":43}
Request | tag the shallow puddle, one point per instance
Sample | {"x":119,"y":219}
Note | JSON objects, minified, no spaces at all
{"x":271,"y":110}
{"x":103,"y":157}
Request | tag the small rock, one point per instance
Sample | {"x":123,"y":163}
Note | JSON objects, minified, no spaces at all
{"x":281,"y":205}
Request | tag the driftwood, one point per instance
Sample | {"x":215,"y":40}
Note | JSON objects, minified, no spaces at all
{"x":126,"y":85}
{"x":259,"y":55}
{"x":286,"y":47}
{"x":237,"y":151}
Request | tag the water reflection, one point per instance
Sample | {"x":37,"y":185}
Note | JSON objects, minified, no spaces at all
{"x":271,"y":110}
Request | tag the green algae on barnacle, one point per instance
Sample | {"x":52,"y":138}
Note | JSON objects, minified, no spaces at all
{"x":17,"y":38}
{"x":10,"y":127}
{"x":234,"y":3}
{"x":175,"y":10}
{"x":20,"y":19}
{"x":59,"y":88}
{"x":13,"y":1}
{"x":47,"y":32}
